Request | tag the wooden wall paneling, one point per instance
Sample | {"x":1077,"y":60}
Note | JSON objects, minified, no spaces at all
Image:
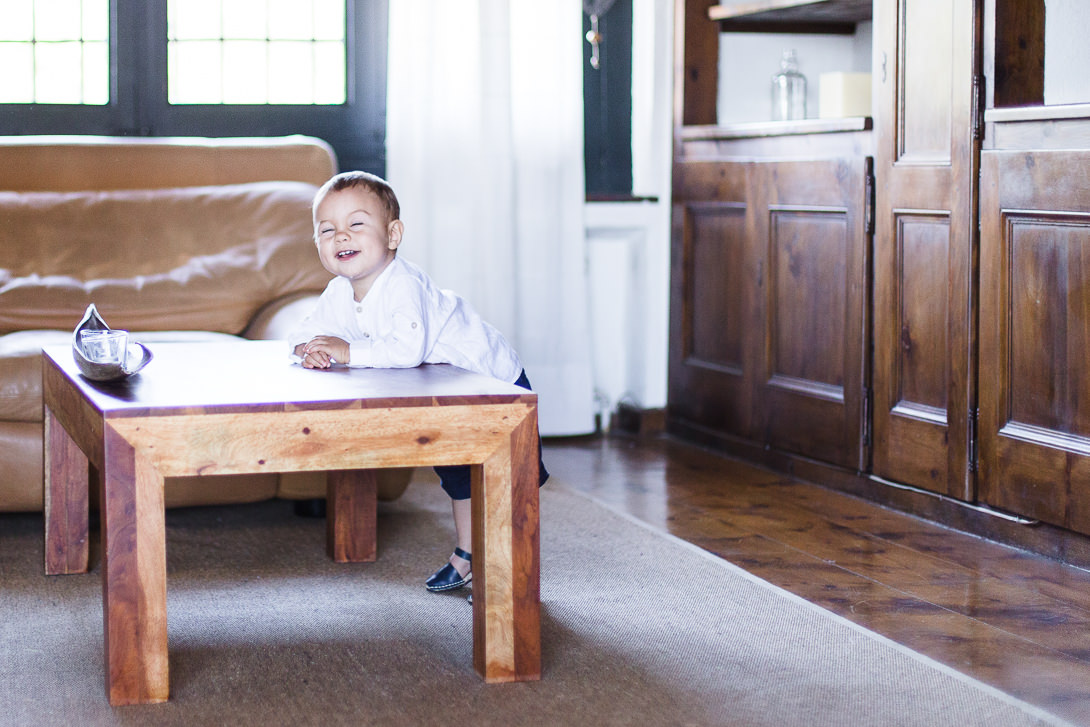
{"x":1035,"y":335}
{"x":1059,"y":133}
{"x":696,"y":64}
{"x":927,"y":54}
{"x":814,"y":283}
{"x":712,"y":315}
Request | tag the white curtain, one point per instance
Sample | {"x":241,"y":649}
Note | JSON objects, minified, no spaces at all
{"x":484,"y":146}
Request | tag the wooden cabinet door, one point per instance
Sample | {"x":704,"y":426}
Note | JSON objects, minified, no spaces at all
{"x":1035,"y":335}
{"x":812,"y":248}
{"x":713,"y":334}
{"x":768,"y":338}
{"x":926,"y":59}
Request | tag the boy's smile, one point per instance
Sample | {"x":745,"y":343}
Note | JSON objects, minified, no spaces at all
{"x":355,"y":240}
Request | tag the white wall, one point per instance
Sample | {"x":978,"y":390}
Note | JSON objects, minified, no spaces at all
{"x":1067,"y":26}
{"x":628,"y":243}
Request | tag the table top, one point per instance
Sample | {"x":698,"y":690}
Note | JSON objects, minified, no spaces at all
{"x":226,"y":377}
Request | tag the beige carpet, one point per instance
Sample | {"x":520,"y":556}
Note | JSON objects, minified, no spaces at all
{"x":638,"y":629}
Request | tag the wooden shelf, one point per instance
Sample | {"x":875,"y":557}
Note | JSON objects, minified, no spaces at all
{"x":1038,"y":113}
{"x":751,"y":130}
{"x":792,"y":16}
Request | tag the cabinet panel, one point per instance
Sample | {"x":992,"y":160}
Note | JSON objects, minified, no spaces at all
{"x":814,"y":245}
{"x":921,"y":367}
{"x":807,"y":259}
{"x":1049,"y":296}
{"x":924,"y":56}
{"x":916,"y":373}
{"x":711,"y":328}
{"x":714,"y":291}
{"x":1035,"y":335}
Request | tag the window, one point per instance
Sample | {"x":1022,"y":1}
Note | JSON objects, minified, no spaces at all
{"x":55,"y":53}
{"x":198,"y":68}
{"x":607,"y":105}
{"x":263,"y":52}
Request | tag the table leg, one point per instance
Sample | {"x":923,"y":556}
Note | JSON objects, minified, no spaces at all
{"x":352,"y":515}
{"x":506,"y":555}
{"x":134,"y":579}
{"x":66,"y":495}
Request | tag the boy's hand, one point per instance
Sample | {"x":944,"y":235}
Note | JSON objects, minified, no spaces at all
{"x":322,"y":351}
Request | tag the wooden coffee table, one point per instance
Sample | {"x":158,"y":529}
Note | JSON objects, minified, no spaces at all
{"x":241,"y":407}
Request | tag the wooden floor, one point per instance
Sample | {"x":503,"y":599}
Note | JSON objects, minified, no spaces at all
{"x":1017,"y":621}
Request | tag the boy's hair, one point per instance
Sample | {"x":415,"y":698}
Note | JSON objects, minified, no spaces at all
{"x":371,"y":182}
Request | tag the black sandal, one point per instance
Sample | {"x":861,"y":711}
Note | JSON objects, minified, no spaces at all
{"x":448,"y":578}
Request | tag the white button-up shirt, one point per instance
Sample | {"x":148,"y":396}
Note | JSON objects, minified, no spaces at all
{"x":406,"y":320}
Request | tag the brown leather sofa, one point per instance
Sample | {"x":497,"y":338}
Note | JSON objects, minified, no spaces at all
{"x":171,"y":239}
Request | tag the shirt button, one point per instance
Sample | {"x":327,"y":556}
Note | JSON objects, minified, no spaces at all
{"x":359,"y":309}
{"x":414,"y":324}
{"x":366,"y":335}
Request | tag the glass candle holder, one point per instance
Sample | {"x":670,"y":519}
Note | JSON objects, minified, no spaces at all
{"x":105,"y":347}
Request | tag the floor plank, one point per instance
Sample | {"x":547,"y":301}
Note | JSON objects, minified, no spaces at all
{"x":1015,"y":620}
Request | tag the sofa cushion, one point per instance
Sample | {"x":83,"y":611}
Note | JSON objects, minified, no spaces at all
{"x":194,"y":258}
{"x":21,"y":373}
{"x":21,"y":365}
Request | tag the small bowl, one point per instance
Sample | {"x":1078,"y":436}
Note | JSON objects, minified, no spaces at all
{"x":137,"y":354}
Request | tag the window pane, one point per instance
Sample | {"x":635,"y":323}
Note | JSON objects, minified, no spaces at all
{"x":245,"y":20}
{"x":195,"y":72}
{"x":195,"y":19}
{"x":329,"y":73}
{"x":291,"y":72}
{"x":291,"y":19}
{"x":272,"y":51}
{"x":96,"y":20}
{"x":329,"y":19}
{"x":58,"y":74}
{"x":96,"y":73}
{"x":57,"y":19}
{"x":17,"y":80}
{"x":16,"y":20}
{"x":245,"y":70}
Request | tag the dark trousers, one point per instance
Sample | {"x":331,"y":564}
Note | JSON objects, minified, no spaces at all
{"x":456,"y":478}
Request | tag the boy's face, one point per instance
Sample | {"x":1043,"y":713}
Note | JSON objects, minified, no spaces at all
{"x":355,"y":240}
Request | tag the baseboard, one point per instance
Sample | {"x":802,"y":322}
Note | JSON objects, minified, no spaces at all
{"x":631,"y":419}
{"x":1040,"y":538}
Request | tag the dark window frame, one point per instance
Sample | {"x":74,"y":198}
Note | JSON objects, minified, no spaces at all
{"x":607,"y":107}
{"x":138,"y":93}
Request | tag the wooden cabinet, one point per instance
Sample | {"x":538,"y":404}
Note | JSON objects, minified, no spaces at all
{"x":770,"y":281}
{"x":947,"y":353}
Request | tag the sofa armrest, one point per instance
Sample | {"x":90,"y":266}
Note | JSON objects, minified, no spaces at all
{"x":277,"y":318}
